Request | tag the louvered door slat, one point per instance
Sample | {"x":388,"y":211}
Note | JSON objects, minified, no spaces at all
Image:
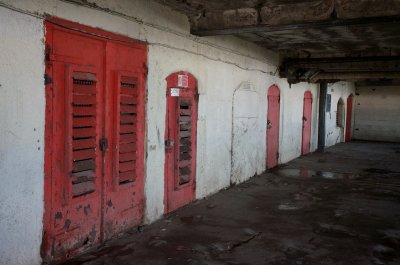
{"x":185,"y":134}
{"x":84,"y":111}
{"x":84,"y":165}
{"x":84,"y":121}
{"x":128,"y":126}
{"x":84,"y":99}
{"x":128,"y":109}
{"x":83,"y":154}
{"x":84,"y":89}
{"x":127,"y":138}
{"x":84,"y":144}
{"x":84,"y":133}
{"x":129,"y":99}
{"x":126,"y":157}
{"x":127,"y":119}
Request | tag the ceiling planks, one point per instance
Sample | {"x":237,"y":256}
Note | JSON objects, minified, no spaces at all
{"x":326,"y":29}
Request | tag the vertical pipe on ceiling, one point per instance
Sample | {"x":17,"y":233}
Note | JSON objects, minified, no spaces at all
{"x":323,"y":91}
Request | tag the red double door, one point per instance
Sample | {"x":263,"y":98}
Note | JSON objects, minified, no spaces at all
{"x":95,"y":121}
{"x":180,"y":140}
{"x":307,"y":116}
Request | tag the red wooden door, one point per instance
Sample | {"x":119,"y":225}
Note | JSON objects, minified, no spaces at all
{"x":94,"y":110}
{"x":349,"y":118}
{"x":307,"y":114}
{"x":273,"y":126}
{"x":180,"y":140}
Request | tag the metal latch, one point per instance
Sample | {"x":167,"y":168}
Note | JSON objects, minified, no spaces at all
{"x":103,"y":144}
{"x":169,"y":143}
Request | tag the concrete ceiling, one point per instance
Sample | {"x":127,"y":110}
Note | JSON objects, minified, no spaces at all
{"x":307,"y":32}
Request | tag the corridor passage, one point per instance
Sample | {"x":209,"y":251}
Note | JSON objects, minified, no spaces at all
{"x":340,"y":207}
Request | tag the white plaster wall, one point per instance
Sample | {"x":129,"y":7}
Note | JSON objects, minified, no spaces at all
{"x":250,"y":119}
{"x":22,"y":102}
{"x":292,"y":101}
{"x":334,"y":134}
{"x":247,"y":157}
{"x":377,"y":114}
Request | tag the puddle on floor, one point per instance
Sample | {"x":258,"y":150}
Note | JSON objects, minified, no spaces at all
{"x":288,"y":207}
{"x":305,"y":173}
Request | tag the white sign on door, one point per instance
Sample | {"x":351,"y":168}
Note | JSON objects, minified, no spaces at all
{"x":183,"y":81}
{"x":174,"y":92}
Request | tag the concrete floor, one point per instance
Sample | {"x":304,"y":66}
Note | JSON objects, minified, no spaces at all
{"x":340,"y":207}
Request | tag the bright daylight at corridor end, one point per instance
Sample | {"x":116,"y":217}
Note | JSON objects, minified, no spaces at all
{"x":200,"y":132}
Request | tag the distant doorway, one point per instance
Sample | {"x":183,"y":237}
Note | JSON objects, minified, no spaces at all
{"x":273,"y":126}
{"x":349,"y":118}
{"x":307,"y":113}
{"x":340,"y":118}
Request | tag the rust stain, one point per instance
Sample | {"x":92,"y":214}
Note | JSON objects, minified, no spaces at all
{"x":59,"y":215}
{"x":86,"y":209}
{"x":67,"y":224}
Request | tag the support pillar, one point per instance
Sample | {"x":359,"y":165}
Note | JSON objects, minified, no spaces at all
{"x":323,"y":91}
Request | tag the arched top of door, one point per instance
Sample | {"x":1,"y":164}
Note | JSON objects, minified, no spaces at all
{"x":182,"y":79}
{"x":308,"y":94}
{"x":273,"y":90}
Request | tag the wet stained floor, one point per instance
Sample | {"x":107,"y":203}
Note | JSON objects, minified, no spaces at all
{"x":340,"y":207}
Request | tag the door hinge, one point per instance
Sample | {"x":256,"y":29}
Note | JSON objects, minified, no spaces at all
{"x":277,"y":155}
{"x":103,"y":144}
{"x":47,"y":80}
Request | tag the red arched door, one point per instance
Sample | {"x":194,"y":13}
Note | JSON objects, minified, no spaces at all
{"x":349,"y":115}
{"x":273,"y":126}
{"x":180,"y":140}
{"x":307,"y":112}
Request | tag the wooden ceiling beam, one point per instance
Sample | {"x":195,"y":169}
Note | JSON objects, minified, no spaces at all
{"x":297,"y":26}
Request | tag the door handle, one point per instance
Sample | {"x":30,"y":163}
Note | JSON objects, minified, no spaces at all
{"x":269,"y":124}
{"x":103,"y":144}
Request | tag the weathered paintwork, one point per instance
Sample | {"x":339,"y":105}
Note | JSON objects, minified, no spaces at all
{"x":273,"y":120}
{"x":95,"y":121}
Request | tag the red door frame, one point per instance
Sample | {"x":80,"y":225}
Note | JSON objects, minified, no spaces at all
{"x":180,"y":141}
{"x":349,"y":118}
{"x":307,"y":116}
{"x":273,"y":120}
{"x":57,"y":154}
